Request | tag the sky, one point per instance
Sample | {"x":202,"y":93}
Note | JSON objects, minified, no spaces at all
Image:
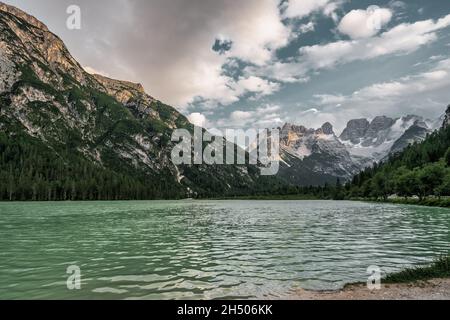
{"x":261,"y":63}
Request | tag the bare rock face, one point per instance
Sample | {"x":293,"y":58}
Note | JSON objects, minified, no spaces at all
{"x":21,"y":32}
{"x":375,"y":134}
{"x":356,"y":130}
{"x":8,"y":72}
{"x":131,"y":95}
{"x":24,"y":16}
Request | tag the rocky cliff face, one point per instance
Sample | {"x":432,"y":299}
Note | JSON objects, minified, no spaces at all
{"x":49,"y":100}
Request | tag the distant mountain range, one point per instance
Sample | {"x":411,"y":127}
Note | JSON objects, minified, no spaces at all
{"x":318,"y":156}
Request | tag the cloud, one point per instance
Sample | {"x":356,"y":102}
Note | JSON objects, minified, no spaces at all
{"x":329,"y":99}
{"x":404,"y":38}
{"x":424,"y":94}
{"x":239,"y":118}
{"x":358,"y":24}
{"x":286,"y":72}
{"x":401,"y":39}
{"x":229,"y":90}
{"x":256,"y":85}
{"x":267,"y":116}
{"x":198,"y":119}
{"x":168,"y":45}
{"x":397,"y":4}
{"x":307,"y":27}
{"x":303,"y":8}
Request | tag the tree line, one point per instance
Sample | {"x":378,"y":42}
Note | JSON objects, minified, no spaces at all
{"x":31,"y":171}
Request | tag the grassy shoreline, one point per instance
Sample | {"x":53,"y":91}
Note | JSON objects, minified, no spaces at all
{"x":438,"y":269}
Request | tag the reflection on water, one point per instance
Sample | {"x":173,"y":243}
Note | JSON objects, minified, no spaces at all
{"x":208,"y":249}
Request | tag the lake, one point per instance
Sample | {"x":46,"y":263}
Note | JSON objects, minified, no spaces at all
{"x":208,"y":249}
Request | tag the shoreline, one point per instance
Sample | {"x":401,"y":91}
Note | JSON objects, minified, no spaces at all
{"x":433,"y":289}
{"x":440,"y":204}
{"x":430,"y":282}
{"x":431,"y":203}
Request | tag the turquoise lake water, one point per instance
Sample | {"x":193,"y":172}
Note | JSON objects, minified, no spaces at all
{"x":208,"y":249}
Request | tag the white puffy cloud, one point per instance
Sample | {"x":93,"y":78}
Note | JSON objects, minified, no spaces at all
{"x":359,"y":24}
{"x":404,"y":38}
{"x":256,"y":36}
{"x":303,"y":8}
{"x":197,"y":119}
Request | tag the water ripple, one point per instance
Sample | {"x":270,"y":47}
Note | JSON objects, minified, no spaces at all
{"x":208,"y":249}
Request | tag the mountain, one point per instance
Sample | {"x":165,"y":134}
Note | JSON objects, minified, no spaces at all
{"x":67,"y":134}
{"x":314,"y":157}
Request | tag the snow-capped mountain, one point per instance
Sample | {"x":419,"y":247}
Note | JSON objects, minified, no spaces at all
{"x":313,"y":157}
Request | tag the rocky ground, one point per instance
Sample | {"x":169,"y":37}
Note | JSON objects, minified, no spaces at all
{"x":436,"y":289}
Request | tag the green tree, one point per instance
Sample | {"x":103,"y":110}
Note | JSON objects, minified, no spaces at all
{"x":380,"y":186}
{"x":431,"y":177}
{"x":444,"y":188}
{"x":447,"y":157}
{"x":406,"y":183}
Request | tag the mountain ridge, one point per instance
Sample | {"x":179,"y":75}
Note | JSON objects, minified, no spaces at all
{"x":362,"y":142}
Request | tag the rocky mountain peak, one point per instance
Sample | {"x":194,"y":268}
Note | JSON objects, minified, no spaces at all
{"x":23,"y":38}
{"x":22,"y":15}
{"x":289,"y":127}
{"x":326,"y":129}
{"x":355,"y":130}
